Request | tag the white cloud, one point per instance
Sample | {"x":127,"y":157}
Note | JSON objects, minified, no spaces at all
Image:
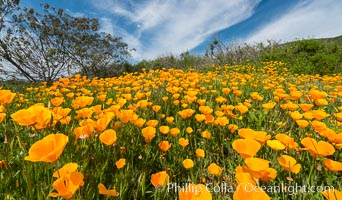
{"x":309,"y":19}
{"x":106,"y":25}
{"x":164,"y":27}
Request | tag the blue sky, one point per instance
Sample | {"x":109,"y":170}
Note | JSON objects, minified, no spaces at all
{"x":162,"y":27}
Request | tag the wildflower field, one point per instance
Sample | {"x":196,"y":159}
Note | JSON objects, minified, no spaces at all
{"x":229,"y":132}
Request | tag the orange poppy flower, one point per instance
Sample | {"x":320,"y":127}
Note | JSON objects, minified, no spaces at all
{"x":319,"y":114}
{"x":183,"y":142}
{"x":156,"y":108}
{"x":206,"y":134}
{"x":246,"y":147}
{"x":221,"y":121}
{"x":152,"y":123}
{"x":188,"y":163}
{"x":260,"y":136}
{"x":82,"y":101}
{"x":289,"y":164}
{"x":2,"y":116}
{"x":105,"y":191}
{"x":302,"y":123}
{"x":318,"y":149}
{"x":332,"y":194}
{"x":6,"y":97}
{"x":316,"y":94}
{"x":66,"y":170}
{"x":193,"y":192}
{"x":164,"y":145}
{"x":214,"y":169}
{"x":189,"y":130}
{"x":120,"y":163}
{"x":241,"y":108}
{"x":232,"y":128}
{"x":57,"y":101}
{"x":287,"y":141}
{"x":296,"y":115}
{"x":200,"y":153}
{"x":36,"y":115}
{"x":332,"y":165}
{"x":306,"y":107}
{"x":164,"y":129}
{"x":174,"y":131}
{"x":295,"y":95}
{"x":206,"y":110}
{"x":200,"y":117}
{"x":160,"y":179}
{"x":102,"y":123}
{"x":321,"y":102}
{"x":244,"y":177}
{"x":66,"y":187}
{"x":149,"y":133}
{"x":269,"y":105}
{"x":48,"y":149}
{"x":248,"y":191}
{"x":187,"y":113}
{"x":108,"y":137}
{"x":170,"y":120}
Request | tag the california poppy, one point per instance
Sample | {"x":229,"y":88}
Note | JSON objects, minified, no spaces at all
{"x":214,"y":169}
{"x":120,"y":163}
{"x":48,"y":149}
{"x":318,"y":149}
{"x":105,"y":191}
{"x":108,"y":137}
{"x":200,"y":153}
{"x":332,"y":165}
{"x":164,"y":146}
{"x":289,"y":164}
{"x":248,"y":191}
{"x":149,"y":133}
{"x":67,"y":186}
{"x":246,"y":147}
{"x":193,"y":192}
{"x":275,"y":144}
{"x":160,"y":179}
{"x":188,"y":163}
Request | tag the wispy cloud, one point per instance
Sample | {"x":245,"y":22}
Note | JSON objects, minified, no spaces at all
{"x":159,"y":27}
{"x":309,"y":19}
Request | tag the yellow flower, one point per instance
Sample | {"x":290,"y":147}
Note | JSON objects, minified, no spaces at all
{"x":275,"y":144}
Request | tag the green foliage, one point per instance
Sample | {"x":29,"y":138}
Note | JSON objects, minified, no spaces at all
{"x":48,"y":45}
